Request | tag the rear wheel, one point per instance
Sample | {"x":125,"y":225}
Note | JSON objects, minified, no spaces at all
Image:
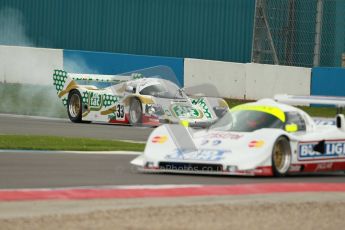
{"x":74,"y":106}
{"x":281,"y":156}
{"x":135,"y":112}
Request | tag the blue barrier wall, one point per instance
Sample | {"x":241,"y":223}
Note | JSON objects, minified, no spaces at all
{"x":328,"y":81}
{"x":113,"y":63}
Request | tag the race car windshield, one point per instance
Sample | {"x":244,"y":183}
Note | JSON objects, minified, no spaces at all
{"x":164,"y":89}
{"x":247,"y":121}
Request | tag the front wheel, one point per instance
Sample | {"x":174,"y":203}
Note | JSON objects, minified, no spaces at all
{"x":281,"y":157}
{"x":74,"y":106}
{"x":135,"y":112}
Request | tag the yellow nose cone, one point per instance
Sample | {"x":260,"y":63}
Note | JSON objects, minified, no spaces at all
{"x":184,"y":123}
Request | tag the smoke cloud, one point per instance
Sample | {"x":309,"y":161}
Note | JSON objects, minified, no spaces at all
{"x":76,"y":64}
{"x":25,"y":73}
{"x":12,"y":29}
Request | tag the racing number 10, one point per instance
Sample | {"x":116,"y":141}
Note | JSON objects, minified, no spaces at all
{"x":120,"y":111}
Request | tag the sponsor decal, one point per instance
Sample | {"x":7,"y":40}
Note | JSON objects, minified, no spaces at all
{"x":259,"y":171}
{"x":214,"y":142}
{"x":295,"y":168}
{"x":324,"y":121}
{"x":223,"y":135}
{"x":159,"y":139}
{"x":112,"y":116}
{"x":200,"y":155}
{"x":201,"y":102}
{"x":98,"y":101}
{"x":184,"y":111}
{"x":332,"y":150}
{"x":95,"y":100}
{"x":256,"y":144}
{"x":324,"y":166}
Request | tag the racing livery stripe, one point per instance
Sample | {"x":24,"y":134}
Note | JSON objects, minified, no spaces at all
{"x":177,"y":191}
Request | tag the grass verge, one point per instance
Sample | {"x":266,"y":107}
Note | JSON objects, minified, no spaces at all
{"x":25,"y":142}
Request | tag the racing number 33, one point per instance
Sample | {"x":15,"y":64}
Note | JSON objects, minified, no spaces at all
{"x":120,"y":111}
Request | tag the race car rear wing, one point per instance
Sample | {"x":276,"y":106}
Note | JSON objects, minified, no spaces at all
{"x":64,"y":81}
{"x":96,"y":77}
{"x":339,"y":102}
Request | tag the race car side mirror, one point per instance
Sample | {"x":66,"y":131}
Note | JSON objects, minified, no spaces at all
{"x":340,"y":121}
{"x":291,"y":128}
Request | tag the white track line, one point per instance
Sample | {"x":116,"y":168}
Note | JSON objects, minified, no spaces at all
{"x":115,"y":187}
{"x":32,"y":117}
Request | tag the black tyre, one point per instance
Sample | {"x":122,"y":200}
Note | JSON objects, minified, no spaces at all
{"x":135,"y":112}
{"x":281,"y":156}
{"x":74,"y":106}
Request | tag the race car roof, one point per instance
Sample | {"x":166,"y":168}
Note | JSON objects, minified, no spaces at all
{"x":268,"y":106}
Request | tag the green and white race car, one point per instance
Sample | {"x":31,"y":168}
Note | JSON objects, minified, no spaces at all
{"x":142,"y":97}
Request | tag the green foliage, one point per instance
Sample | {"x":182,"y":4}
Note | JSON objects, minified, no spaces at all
{"x":26,"y":142}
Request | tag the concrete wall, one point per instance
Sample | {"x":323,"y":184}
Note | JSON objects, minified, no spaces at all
{"x":245,"y":81}
{"x":214,"y":78}
{"x":264,"y":81}
{"x":29,"y":65}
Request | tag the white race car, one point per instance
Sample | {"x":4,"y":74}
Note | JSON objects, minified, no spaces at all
{"x":263,"y":138}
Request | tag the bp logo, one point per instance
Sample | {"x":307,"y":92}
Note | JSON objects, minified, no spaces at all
{"x":183,"y":111}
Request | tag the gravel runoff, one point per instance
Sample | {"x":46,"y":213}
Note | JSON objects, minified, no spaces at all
{"x":273,"y":211}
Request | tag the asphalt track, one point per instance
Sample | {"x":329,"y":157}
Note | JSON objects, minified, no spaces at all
{"x":26,"y":125}
{"x":54,"y":170}
{"x":62,"y":170}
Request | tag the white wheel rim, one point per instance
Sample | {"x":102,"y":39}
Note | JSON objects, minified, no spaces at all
{"x":281,"y":157}
{"x":74,"y":105}
{"x":135,"y":112}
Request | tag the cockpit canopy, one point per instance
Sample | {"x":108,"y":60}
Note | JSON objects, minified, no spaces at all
{"x":248,"y":118}
{"x":162,"y":88}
